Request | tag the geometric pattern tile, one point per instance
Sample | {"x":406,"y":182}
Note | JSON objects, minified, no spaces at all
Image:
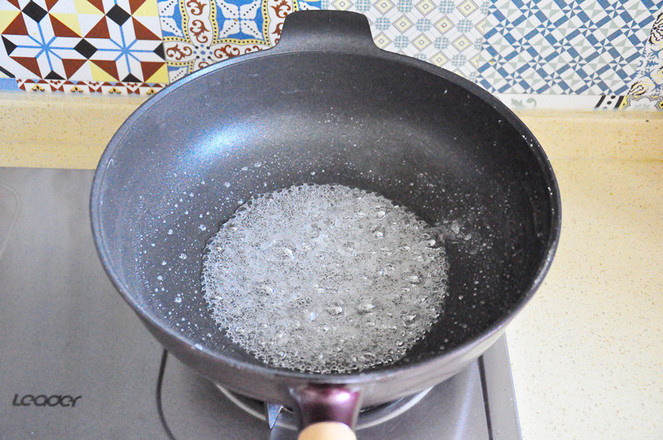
{"x":82,"y":40}
{"x":197,"y":33}
{"x":447,"y":33}
{"x":643,"y":102}
{"x":553,"y":47}
{"x":610,"y":102}
{"x":564,"y":47}
{"x":87,"y":87}
{"x":649,"y":78}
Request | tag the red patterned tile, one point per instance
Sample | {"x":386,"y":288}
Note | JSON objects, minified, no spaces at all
{"x":83,"y":40}
{"x":49,"y":86}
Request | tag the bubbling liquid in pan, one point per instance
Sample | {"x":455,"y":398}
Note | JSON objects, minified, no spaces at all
{"x":325,"y":279}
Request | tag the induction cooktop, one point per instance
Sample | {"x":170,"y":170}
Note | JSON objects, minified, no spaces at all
{"x":76,"y":362}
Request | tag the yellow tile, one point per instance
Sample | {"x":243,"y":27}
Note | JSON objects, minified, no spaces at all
{"x":342,"y":5}
{"x":160,"y":76}
{"x":99,"y":75}
{"x":147,"y":9}
{"x":439,"y":59}
{"x":476,"y":61}
{"x":462,"y":43}
{"x":467,"y":7}
{"x":483,"y":25}
{"x":85,"y":7}
{"x":421,"y":42}
{"x":425,"y":6}
{"x":70,"y":20}
{"x":381,"y":40}
{"x":403,"y":24}
{"x":444,"y":24}
{"x":7,"y":17}
{"x":384,"y":6}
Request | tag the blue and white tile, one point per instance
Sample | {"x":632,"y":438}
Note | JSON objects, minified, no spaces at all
{"x":446,"y":33}
{"x":559,"y":47}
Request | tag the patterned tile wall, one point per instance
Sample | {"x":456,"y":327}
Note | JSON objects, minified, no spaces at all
{"x":564,"y":47}
{"x":447,"y":33}
{"x":647,"y":88}
{"x":198,"y":33}
{"x":83,"y":42}
{"x":591,"y":48}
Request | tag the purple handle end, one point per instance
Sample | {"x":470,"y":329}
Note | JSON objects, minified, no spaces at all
{"x":326,"y":403}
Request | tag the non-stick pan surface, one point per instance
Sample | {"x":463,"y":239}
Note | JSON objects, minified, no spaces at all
{"x":325,"y":106}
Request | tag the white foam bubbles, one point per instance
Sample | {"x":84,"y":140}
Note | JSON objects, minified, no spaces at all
{"x":325,"y":279}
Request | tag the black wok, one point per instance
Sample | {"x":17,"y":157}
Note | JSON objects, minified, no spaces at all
{"x":325,"y":106}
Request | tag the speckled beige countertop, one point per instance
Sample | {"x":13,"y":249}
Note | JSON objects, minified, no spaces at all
{"x":587,"y":352}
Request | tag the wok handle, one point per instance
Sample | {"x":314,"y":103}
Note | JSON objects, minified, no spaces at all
{"x":327,"y":412}
{"x":327,"y":431}
{"x":326,"y":31}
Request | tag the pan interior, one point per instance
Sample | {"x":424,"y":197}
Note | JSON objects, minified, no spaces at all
{"x":186,"y":160}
